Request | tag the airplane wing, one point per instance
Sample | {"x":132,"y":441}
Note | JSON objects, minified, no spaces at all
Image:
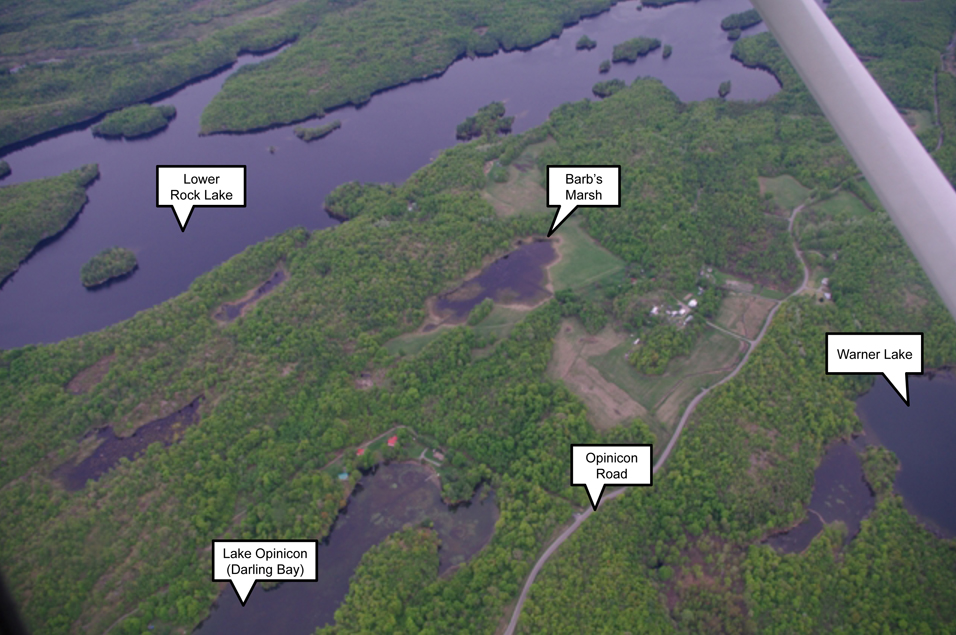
{"x":919,"y":199}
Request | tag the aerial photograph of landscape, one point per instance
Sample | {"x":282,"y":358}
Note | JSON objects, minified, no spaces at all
{"x":498,"y":317}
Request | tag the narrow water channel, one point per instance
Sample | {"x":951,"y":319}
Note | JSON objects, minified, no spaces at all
{"x":396,"y":133}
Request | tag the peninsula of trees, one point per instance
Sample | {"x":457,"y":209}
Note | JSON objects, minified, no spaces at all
{"x":33,"y":211}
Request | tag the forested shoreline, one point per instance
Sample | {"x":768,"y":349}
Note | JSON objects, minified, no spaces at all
{"x":145,"y":49}
{"x":35,"y":211}
{"x":282,"y":395}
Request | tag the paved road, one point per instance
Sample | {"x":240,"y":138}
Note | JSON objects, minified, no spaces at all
{"x":573,"y":527}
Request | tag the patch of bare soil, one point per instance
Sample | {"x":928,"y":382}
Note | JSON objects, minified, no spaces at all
{"x":86,"y":379}
{"x":607,"y":403}
{"x":373,"y":379}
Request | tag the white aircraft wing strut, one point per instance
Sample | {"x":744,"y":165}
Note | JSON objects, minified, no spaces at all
{"x":917,"y":196}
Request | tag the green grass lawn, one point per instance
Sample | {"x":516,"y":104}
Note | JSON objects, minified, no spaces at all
{"x":583,"y":261}
{"x":411,"y":343}
{"x":714,"y":350}
{"x":842,"y":206}
{"x":919,"y":120}
{"x":769,"y":293}
{"x":787,"y":191}
{"x":500,"y":321}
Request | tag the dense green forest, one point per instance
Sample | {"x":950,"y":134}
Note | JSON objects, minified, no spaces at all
{"x":135,"y":121}
{"x":585,"y":43}
{"x":740,"y":21}
{"x":408,"y":557}
{"x":35,"y":210}
{"x":350,"y":55}
{"x":74,"y":60}
{"x":63,"y":62}
{"x":489,"y":121}
{"x":608,"y":88}
{"x":634,"y":48}
{"x":281,"y":396}
{"x":106,"y":265}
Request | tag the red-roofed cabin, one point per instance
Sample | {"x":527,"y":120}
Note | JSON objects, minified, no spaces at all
{"x":392,"y":441}
{"x":360,"y":452}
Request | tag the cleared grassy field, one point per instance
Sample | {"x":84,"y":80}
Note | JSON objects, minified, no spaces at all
{"x":664,"y":395}
{"x":583,"y":261}
{"x":842,"y":206}
{"x":523,"y":192}
{"x":744,"y":314}
{"x":412,"y":343}
{"x":608,"y":404}
{"x":500,"y":321}
{"x":919,"y":120}
{"x":787,"y":191}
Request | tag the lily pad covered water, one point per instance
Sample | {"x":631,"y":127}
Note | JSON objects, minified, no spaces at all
{"x":516,"y":278}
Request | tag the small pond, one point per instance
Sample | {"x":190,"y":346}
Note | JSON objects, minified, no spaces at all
{"x":839,"y":493}
{"x":519,"y":277}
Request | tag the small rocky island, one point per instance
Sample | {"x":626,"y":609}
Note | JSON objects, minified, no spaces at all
{"x":311,"y":134}
{"x":107,"y":265}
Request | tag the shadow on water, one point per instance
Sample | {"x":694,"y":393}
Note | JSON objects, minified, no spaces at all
{"x":109,"y":282}
{"x":111,"y":448}
{"x":381,"y":504}
{"x":518,"y":277}
{"x":840,"y":493}
{"x":923,"y":437}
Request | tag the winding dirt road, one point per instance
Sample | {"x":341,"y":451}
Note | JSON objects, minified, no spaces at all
{"x":580,"y":518}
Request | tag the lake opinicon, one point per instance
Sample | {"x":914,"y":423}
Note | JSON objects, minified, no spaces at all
{"x":382,"y":503}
